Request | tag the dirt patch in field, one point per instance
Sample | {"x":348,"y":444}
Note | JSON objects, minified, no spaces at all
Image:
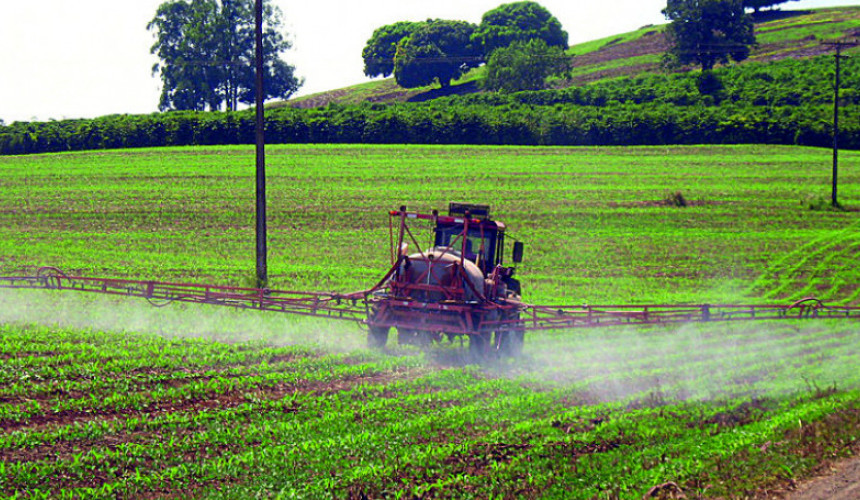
{"x":320,"y":100}
{"x":664,"y":203}
{"x":653,"y":42}
{"x":841,"y":482}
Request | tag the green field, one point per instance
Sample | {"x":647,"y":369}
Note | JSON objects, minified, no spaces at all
{"x":118,"y":399}
{"x":594,"y":220}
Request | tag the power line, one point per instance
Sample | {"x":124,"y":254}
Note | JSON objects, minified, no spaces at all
{"x":839,"y":45}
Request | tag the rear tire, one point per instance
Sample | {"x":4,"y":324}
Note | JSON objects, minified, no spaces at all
{"x":377,"y":337}
{"x":510,"y":339}
{"x":511,"y":342}
{"x":479,"y":346}
{"x":406,"y":336}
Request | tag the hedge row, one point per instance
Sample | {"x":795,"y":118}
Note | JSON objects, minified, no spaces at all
{"x":446,"y":123}
{"x":783,"y":102}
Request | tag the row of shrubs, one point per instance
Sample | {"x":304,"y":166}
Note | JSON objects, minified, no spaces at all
{"x":614,"y":124}
{"x":785,"y":102}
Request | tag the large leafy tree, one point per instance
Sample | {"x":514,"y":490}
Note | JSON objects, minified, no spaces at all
{"x":707,"y":32}
{"x":188,"y":83}
{"x":524,"y":66}
{"x":206,"y":48}
{"x":379,"y":52}
{"x":518,"y":21}
{"x":435,"y":51}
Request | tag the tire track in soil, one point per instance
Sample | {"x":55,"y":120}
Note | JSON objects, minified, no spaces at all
{"x":843,"y":483}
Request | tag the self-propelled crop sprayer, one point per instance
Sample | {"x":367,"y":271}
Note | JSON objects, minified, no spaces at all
{"x":458,"y":287}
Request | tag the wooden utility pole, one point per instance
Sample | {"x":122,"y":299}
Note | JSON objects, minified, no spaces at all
{"x":262,"y":266}
{"x":839,"y":46}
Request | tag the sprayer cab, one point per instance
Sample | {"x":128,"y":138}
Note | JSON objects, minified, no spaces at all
{"x":483,"y":238}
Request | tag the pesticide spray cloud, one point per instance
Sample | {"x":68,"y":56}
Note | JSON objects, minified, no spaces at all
{"x":108,"y":314}
{"x":699,"y":361}
{"x":688,"y":362}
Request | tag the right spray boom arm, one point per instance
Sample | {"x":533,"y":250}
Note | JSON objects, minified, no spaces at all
{"x":535,"y":317}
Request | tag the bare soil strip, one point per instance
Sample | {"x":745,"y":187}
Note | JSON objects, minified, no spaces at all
{"x":843,"y":483}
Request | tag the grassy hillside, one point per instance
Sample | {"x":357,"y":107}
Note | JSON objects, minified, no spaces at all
{"x":781,"y":35}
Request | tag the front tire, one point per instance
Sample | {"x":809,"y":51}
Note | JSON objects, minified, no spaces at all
{"x":377,"y":337}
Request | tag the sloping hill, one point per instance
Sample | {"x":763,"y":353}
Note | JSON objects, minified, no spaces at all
{"x":780,"y":34}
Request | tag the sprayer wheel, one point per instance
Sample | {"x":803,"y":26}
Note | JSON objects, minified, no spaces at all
{"x":479,"y":346}
{"x":377,"y":337}
{"x":511,"y":342}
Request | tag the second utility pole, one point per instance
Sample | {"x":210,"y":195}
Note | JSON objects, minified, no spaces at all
{"x":262,"y":266}
{"x":839,"y":45}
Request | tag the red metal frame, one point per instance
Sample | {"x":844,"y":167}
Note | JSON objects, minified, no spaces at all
{"x":334,"y":306}
{"x":393,"y":305}
{"x":451,"y":318}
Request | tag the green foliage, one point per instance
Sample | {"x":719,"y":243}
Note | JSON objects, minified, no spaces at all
{"x":435,"y":51}
{"x":707,"y":32}
{"x":524,"y":66}
{"x":785,"y":102}
{"x":207,"y":56}
{"x":676,"y":199}
{"x":420,"y":54}
{"x":185,"y":33}
{"x":379,"y":52}
{"x":709,"y":84}
{"x":129,"y":211}
{"x":821,"y":203}
{"x":518,"y":22}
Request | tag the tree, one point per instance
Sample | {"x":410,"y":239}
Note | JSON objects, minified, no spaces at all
{"x":707,"y":32}
{"x":206,"y":48}
{"x":187,"y":83}
{"x":518,"y":21}
{"x":436,"y":51}
{"x":379,"y":52}
{"x":524,"y":66}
